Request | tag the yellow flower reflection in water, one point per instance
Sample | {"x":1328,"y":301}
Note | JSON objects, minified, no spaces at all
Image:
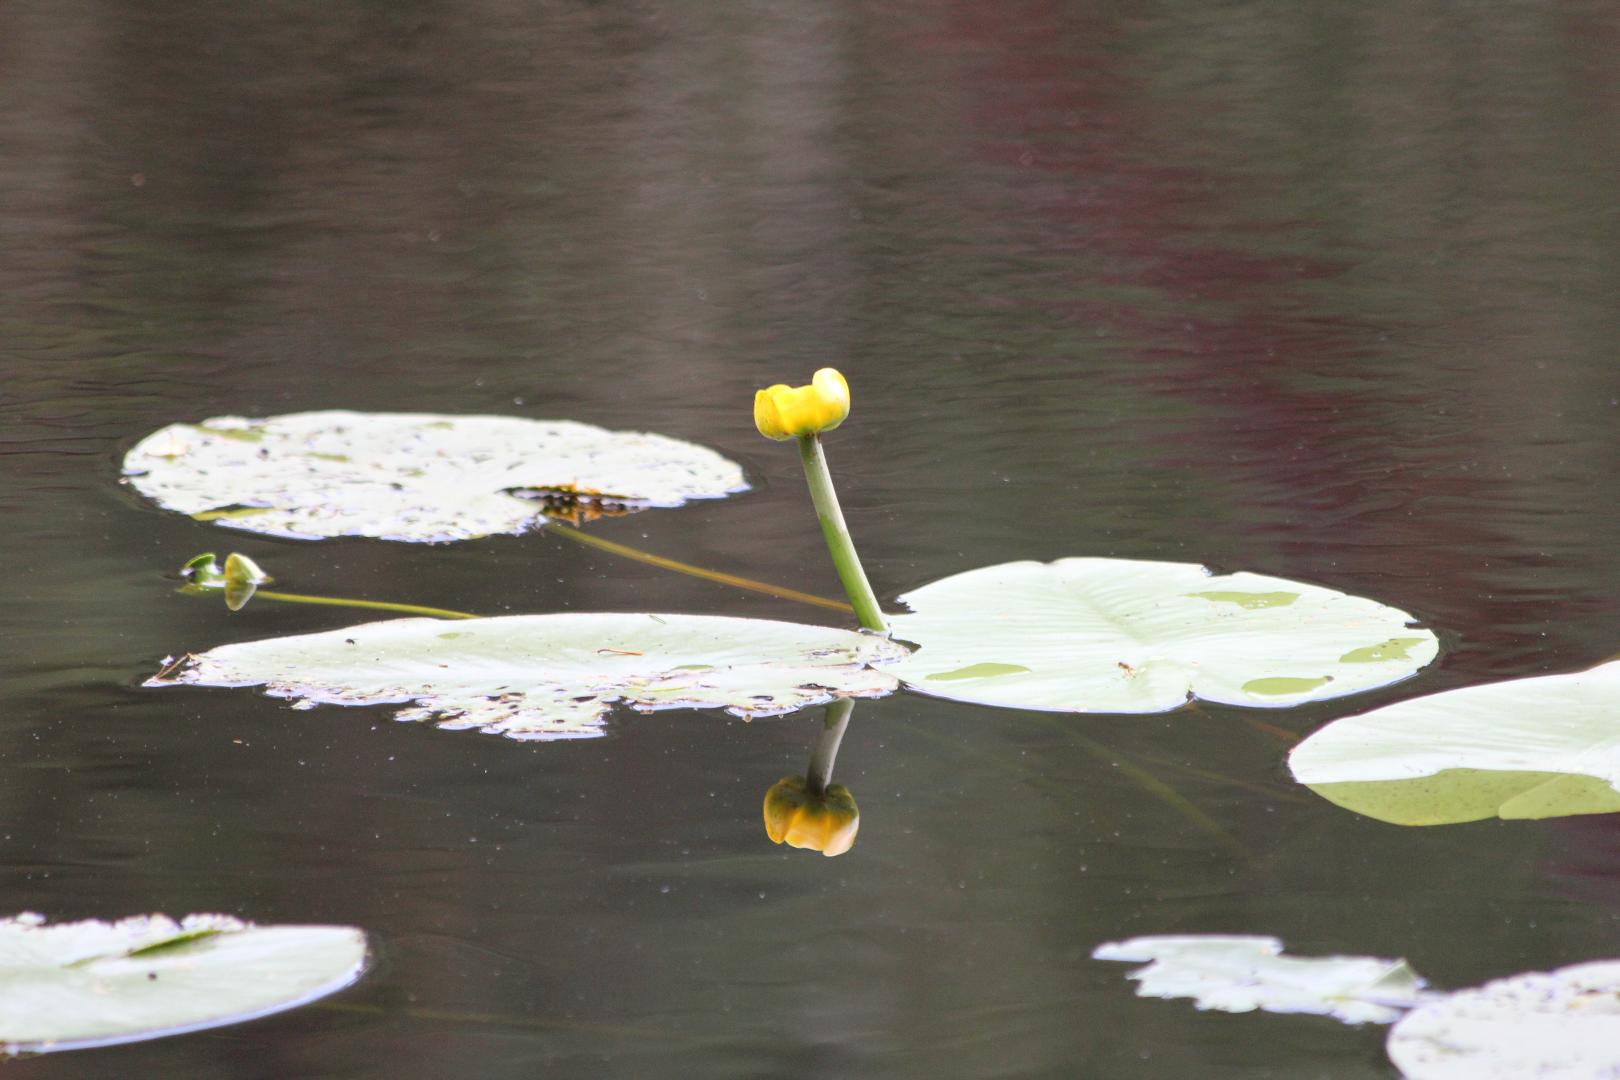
{"x":797,"y":816}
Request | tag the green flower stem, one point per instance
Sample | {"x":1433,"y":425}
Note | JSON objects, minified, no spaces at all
{"x":819,"y":774}
{"x":837,"y":535}
{"x":374,"y":605}
{"x":582,"y":537}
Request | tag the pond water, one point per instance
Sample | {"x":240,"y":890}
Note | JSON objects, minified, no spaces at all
{"x":1313,"y":291}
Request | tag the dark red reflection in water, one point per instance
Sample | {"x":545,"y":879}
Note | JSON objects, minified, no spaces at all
{"x":1327,"y":416}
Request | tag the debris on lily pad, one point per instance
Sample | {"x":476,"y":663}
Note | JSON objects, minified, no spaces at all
{"x":69,"y":986}
{"x":417,"y":477}
{"x":1524,"y":748}
{"x":1126,"y":636}
{"x":554,"y":676}
{"x":1243,"y":973}
{"x":1562,"y":1025}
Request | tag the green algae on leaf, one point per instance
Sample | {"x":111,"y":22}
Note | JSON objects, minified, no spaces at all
{"x":70,"y":986}
{"x":1281,"y":685}
{"x":554,"y":676}
{"x":1248,"y":600}
{"x":1541,"y":747}
{"x":1126,"y":636}
{"x":414,"y":476}
{"x":1394,"y":649}
{"x":985,"y":670}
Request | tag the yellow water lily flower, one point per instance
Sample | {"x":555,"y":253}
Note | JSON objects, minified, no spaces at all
{"x":825,"y":823}
{"x":784,"y":412}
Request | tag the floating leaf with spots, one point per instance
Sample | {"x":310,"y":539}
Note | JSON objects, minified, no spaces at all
{"x":554,"y":676}
{"x":70,"y":986}
{"x":1124,"y":636}
{"x":1561,"y":1025}
{"x":1541,"y":747}
{"x":1243,"y":973}
{"x":414,"y":476}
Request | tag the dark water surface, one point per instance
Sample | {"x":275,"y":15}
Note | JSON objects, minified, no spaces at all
{"x":1320,"y":291}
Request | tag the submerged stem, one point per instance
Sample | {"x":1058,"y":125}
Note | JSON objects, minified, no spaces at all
{"x":837,"y":536}
{"x":582,"y":537}
{"x":1162,"y":791}
{"x":374,"y":605}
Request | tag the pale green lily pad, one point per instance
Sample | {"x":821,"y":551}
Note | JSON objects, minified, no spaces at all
{"x":554,"y":676}
{"x":1563,"y":1025}
{"x":1244,"y":973}
{"x":1125,"y":636}
{"x":413,"y":476}
{"x":1541,"y":747}
{"x":74,"y":985}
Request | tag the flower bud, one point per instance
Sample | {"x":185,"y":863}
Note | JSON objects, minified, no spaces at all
{"x":784,"y":412}
{"x":826,"y":823}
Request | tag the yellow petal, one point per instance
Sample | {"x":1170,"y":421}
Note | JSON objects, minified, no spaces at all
{"x":833,"y":391}
{"x":766,"y":416}
{"x":782,"y":803}
{"x":784,"y":412}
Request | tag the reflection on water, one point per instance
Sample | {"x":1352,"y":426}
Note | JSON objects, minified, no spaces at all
{"x":1319,"y":293}
{"x":810,"y":811}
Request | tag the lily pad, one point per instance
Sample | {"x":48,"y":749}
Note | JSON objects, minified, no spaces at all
{"x":1244,"y":973}
{"x":554,"y":676}
{"x":74,"y":985}
{"x":1126,"y":636}
{"x":414,"y":476}
{"x":1564,"y":1025}
{"x":1541,"y":747}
